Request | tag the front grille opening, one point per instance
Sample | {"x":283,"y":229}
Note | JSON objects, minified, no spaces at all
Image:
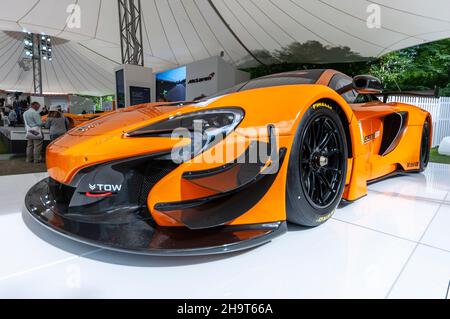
{"x":153,"y":171}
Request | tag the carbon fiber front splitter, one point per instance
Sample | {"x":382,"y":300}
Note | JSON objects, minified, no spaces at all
{"x":140,"y":236}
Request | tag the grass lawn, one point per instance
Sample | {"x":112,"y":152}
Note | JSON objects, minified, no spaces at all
{"x":435,"y":157}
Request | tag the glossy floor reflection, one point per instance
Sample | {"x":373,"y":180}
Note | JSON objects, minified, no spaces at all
{"x":394,"y":243}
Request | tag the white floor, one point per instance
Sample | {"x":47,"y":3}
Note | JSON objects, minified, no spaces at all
{"x":394,"y":243}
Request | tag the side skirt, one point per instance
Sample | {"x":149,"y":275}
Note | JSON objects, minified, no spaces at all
{"x":396,"y":173}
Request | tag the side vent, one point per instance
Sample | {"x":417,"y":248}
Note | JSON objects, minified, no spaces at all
{"x":393,"y":127}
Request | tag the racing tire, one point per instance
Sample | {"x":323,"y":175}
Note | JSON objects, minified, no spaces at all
{"x":425,"y":147}
{"x":317,"y":167}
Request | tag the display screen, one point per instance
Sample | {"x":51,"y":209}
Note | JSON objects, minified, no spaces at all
{"x":120,"y":89}
{"x":171,"y":85}
{"x":139,"y":95}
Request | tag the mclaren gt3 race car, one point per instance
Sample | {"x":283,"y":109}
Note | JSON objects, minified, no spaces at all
{"x":228,"y":172}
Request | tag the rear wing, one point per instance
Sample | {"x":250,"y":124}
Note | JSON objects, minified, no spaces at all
{"x":428,"y":93}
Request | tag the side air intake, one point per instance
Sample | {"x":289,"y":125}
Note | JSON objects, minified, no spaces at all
{"x":393,"y":127}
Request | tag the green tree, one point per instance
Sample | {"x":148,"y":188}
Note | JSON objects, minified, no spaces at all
{"x":422,"y":67}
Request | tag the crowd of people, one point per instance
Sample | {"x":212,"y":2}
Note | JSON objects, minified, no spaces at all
{"x":31,"y":118}
{"x":11,"y":115}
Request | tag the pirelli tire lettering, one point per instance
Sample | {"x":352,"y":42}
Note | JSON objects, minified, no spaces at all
{"x":319,"y":105}
{"x":323,"y":219}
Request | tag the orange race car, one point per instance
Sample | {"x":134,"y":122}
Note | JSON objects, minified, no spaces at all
{"x":228,"y":172}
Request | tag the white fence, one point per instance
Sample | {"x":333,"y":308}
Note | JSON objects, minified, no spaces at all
{"x":439,"y":109}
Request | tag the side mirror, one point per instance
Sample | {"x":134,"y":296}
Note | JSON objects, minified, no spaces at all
{"x":367,"y":84}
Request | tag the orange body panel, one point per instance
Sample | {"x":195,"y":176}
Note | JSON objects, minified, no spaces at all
{"x":103,"y":140}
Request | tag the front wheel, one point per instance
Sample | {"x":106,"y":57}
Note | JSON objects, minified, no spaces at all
{"x":317,"y":167}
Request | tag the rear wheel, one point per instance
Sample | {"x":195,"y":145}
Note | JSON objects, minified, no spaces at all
{"x":425,"y":147}
{"x":317,"y":167}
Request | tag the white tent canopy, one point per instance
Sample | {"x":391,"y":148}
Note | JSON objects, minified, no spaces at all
{"x":177,"y":32}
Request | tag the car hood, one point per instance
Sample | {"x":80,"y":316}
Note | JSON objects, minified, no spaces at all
{"x":125,"y":119}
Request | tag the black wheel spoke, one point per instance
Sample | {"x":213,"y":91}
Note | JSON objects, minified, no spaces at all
{"x":308,"y":174}
{"x":332,"y":169}
{"x":312,"y":182}
{"x":319,"y":189}
{"x":333,"y":152}
{"x":313,"y":136}
{"x":322,"y":130}
{"x":308,"y":146}
{"x":326,"y":182}
{"x":325,"y":141}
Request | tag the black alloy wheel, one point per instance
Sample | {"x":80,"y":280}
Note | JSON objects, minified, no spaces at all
{"x":321,"y":164}
{"x":317,"y":167}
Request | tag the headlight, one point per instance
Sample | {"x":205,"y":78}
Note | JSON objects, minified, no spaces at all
{"x":205,"y":127}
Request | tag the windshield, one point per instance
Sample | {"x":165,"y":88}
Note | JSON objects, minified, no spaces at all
{"x":289,"y":78}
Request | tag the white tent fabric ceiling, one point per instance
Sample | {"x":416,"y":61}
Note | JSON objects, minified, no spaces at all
{"x":177,"y":32}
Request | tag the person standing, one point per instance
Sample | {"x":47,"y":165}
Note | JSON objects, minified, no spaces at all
{"x":34,"y":136}
{"x":56,"y":122}
{"x":4,"y":118}
{"x":17,"y":109}
{"x":12,"y":117}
